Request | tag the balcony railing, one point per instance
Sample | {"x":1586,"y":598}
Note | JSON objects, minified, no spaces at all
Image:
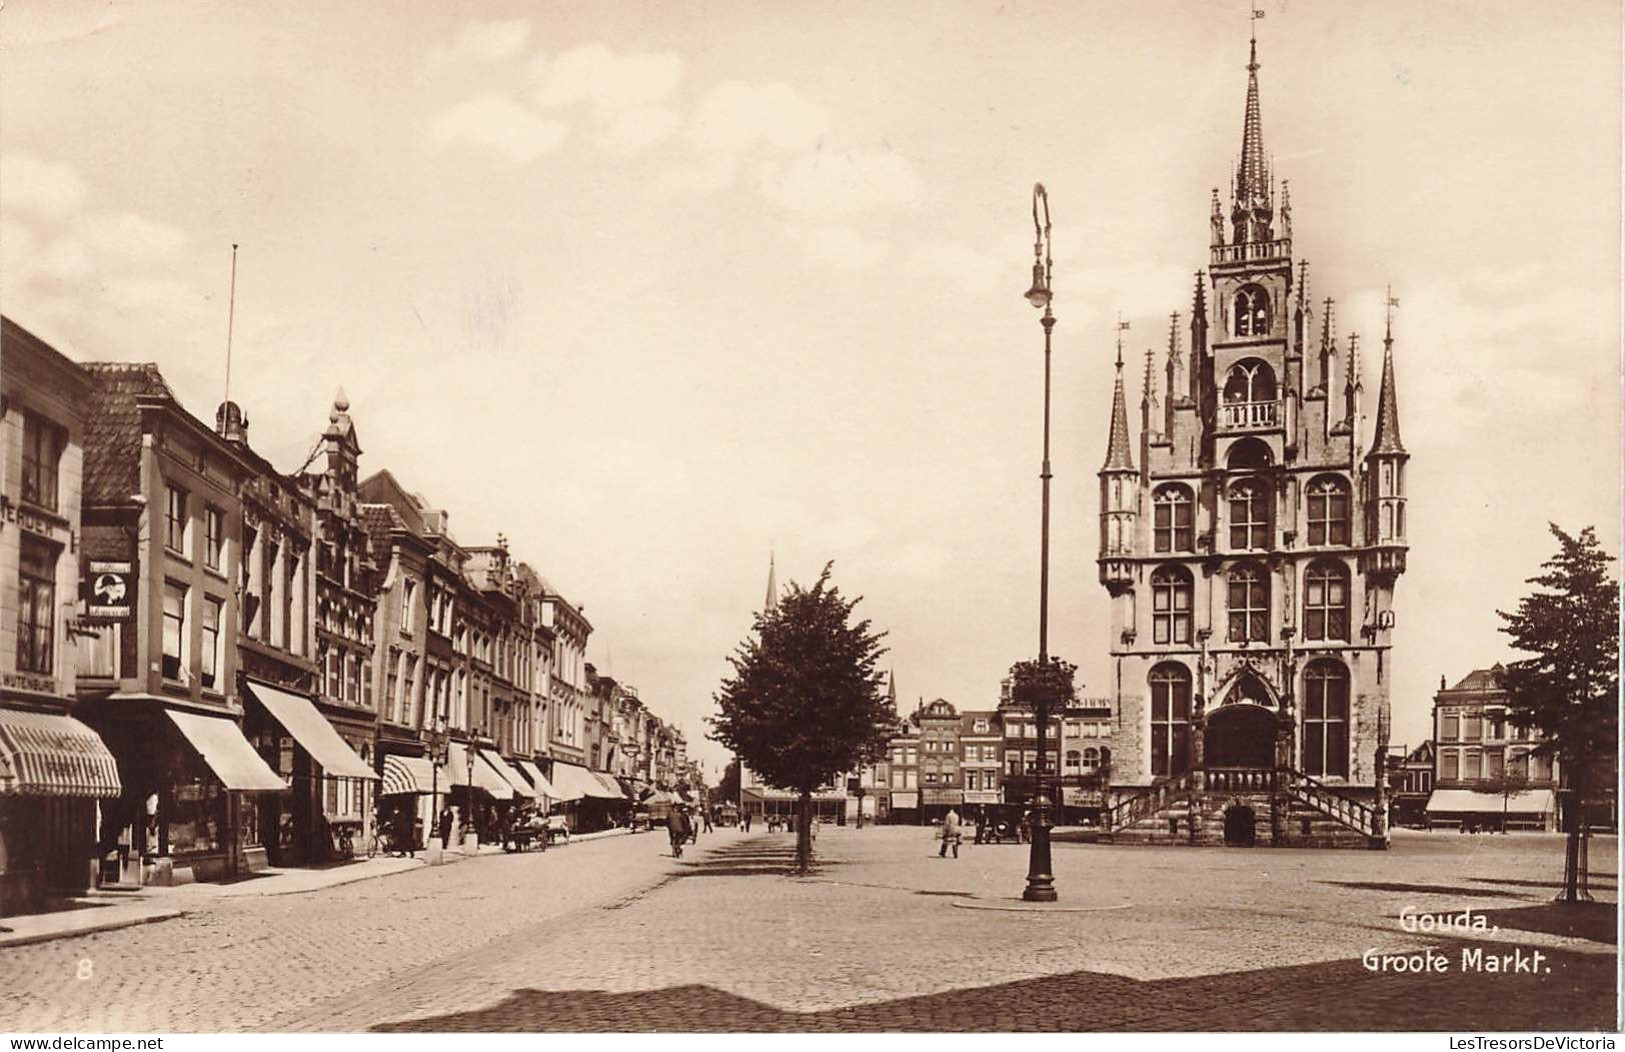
{"x":1245,"y":251}
{"x":1241,"y":779}
{"x":1245,"y":416}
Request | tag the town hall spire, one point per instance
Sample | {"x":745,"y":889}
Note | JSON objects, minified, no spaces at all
{"x":1253,"y":208}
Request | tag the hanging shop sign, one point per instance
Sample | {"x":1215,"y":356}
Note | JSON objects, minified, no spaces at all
{"x":110,"y":591}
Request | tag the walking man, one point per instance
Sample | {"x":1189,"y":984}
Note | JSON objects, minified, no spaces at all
{"x":950,"y":833}
{"x":677,"y":830}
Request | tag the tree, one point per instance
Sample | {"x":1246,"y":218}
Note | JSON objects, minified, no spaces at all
{"x":1569,"y":689}
{"x":728,"y":788}
{"x":804,"y":703}
{"x":1512,"y":781}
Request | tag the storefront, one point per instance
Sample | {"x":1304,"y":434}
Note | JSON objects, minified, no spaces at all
{"x":480,"y":796}
{"x":408,"y":800}
{"x":323,"y":818}
{"x":905,"y":807}
{"x":53,"y":770}
{"x":590,"y":801}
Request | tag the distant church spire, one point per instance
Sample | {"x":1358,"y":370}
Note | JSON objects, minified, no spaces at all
{"x":771,"y":603}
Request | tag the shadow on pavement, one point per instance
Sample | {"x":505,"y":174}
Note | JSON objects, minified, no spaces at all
{"x":1423,"y":889}
{"x":1592,"y":882}
{"x":1595,"y":921}
{"x":1577,"y":993}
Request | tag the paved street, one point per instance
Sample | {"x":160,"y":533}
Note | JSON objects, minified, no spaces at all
{"x":613,"y":935}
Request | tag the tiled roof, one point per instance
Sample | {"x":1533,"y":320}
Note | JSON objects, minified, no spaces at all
{"x":379,"y":520}
{"x":113,"y":427}
{"x":1481,"y":679}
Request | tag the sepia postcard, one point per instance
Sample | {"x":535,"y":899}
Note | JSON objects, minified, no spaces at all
{"x":809,"y":518}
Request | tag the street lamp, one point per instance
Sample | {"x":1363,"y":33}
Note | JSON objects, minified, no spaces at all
{"x":1040,"y":881}
{"x":437,"y":756}
{"x":471,"y":755}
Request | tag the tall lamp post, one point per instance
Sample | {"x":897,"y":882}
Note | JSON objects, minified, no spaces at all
{"x":1040,"y":880}
{"x":472,"y":756}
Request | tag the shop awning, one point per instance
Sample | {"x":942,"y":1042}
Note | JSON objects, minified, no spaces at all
{"x":537,"y":779}
{"x":46,"y":754}
{"x":227,"y":752}
{"x":1472,"y":801}
{"x":408,"y":774}
{"x":574,"y":782}
{"x":312,"y":731}
{"x":505,"y":771}
{"x":612,"y":788}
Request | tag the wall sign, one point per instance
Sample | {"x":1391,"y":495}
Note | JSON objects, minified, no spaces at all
{"x":110,"y":591}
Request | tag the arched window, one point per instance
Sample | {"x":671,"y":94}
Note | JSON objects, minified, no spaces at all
{"x":1172,"y":525}
{"x":1091,"y":760}
{"x":1171,"y":605}
{"x":1250,"y":380}
{"x":1249,"y":515}
{"x":1170,"y":720}
{"x":1326,"y":719}
{"x":1249,"y":604}
{"x":1326,"y":601}
{"x":1252,"y":311}
{"x":1328,"y":510}
{"x":1074,"y":760}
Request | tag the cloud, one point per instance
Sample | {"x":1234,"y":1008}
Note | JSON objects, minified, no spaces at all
{"x":38,"y":187}
{"x":129,"y":236}
{"x":825,"y":182}
{"x":485,"y":42}
{"x":736,"y":116}
{"x":841,"y":246}
{"x":498,"y":124}
{"x":634,"y":130}
{"x":594,"y":75}
{"x":961,"y":267}
{"x":64,"y":259}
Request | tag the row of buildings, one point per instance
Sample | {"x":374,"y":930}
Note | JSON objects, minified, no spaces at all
{"x":208,"y":665}
{"x":1480,"y":770}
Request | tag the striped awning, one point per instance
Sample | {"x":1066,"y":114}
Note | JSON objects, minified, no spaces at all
{"x":45,"y":754}
{"x":406,"y":775}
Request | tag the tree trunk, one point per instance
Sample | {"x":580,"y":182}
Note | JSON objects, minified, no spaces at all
{"x":804,"y":833}
{"x":1571,"y":854}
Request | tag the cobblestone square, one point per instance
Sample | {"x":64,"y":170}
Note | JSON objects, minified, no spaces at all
{"x":883,"y":935}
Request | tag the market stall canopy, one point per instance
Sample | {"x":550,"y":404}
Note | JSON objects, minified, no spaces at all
{"x":516,"y":781}
{"x":228,"y":754}
{"x":45,"y":754}
{"x":407,"y":774}
{"x":313,"y":733}
{"x":1457,"y":801}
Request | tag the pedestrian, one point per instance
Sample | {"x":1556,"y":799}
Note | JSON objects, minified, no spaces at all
{"x":950,"y":833}
{"x":445,"y":828}
{"x":706,"y":815}
{"x":981,"y":825}
{"x":747,"y":821}
{"x":677,"y":830}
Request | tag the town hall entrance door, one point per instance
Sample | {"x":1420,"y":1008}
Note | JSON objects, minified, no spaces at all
{"x":1239,"y":735}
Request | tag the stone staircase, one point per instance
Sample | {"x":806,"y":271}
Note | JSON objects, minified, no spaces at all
{"x":1288,"y":809}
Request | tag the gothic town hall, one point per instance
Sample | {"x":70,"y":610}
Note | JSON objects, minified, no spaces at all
{"x":1250,"y":545}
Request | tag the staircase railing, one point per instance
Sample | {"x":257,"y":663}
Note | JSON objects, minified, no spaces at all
{"x":1330,"y":802}
{"x":1142,"y":805}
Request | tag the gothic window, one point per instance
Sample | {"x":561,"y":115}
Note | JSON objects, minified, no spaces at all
{"x":1171,"y":605}
{"x":1249,"y":454}
{"x":1326,"y":601}
{"x":1252,"y":311}
{"x":1249,"y":515}
{"x":1172,"y":529}
{"x":1249,"y":602}
{"x":1326,"y":719}
{"x":1250,"y":380}
{"x":1170,"y":720}
{"x":1328,"y":511}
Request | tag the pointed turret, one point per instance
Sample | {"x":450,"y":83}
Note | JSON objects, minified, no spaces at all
{"x":1252,"y":209}
{"x":1176,"y":372}
{"x":1118,"y":455}
{"x":1198,"y":341}
{"x":1385,"y":476}
{"x":1119,"y":493}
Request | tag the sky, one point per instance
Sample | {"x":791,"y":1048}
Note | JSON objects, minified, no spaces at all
{"x":658,"y":290}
